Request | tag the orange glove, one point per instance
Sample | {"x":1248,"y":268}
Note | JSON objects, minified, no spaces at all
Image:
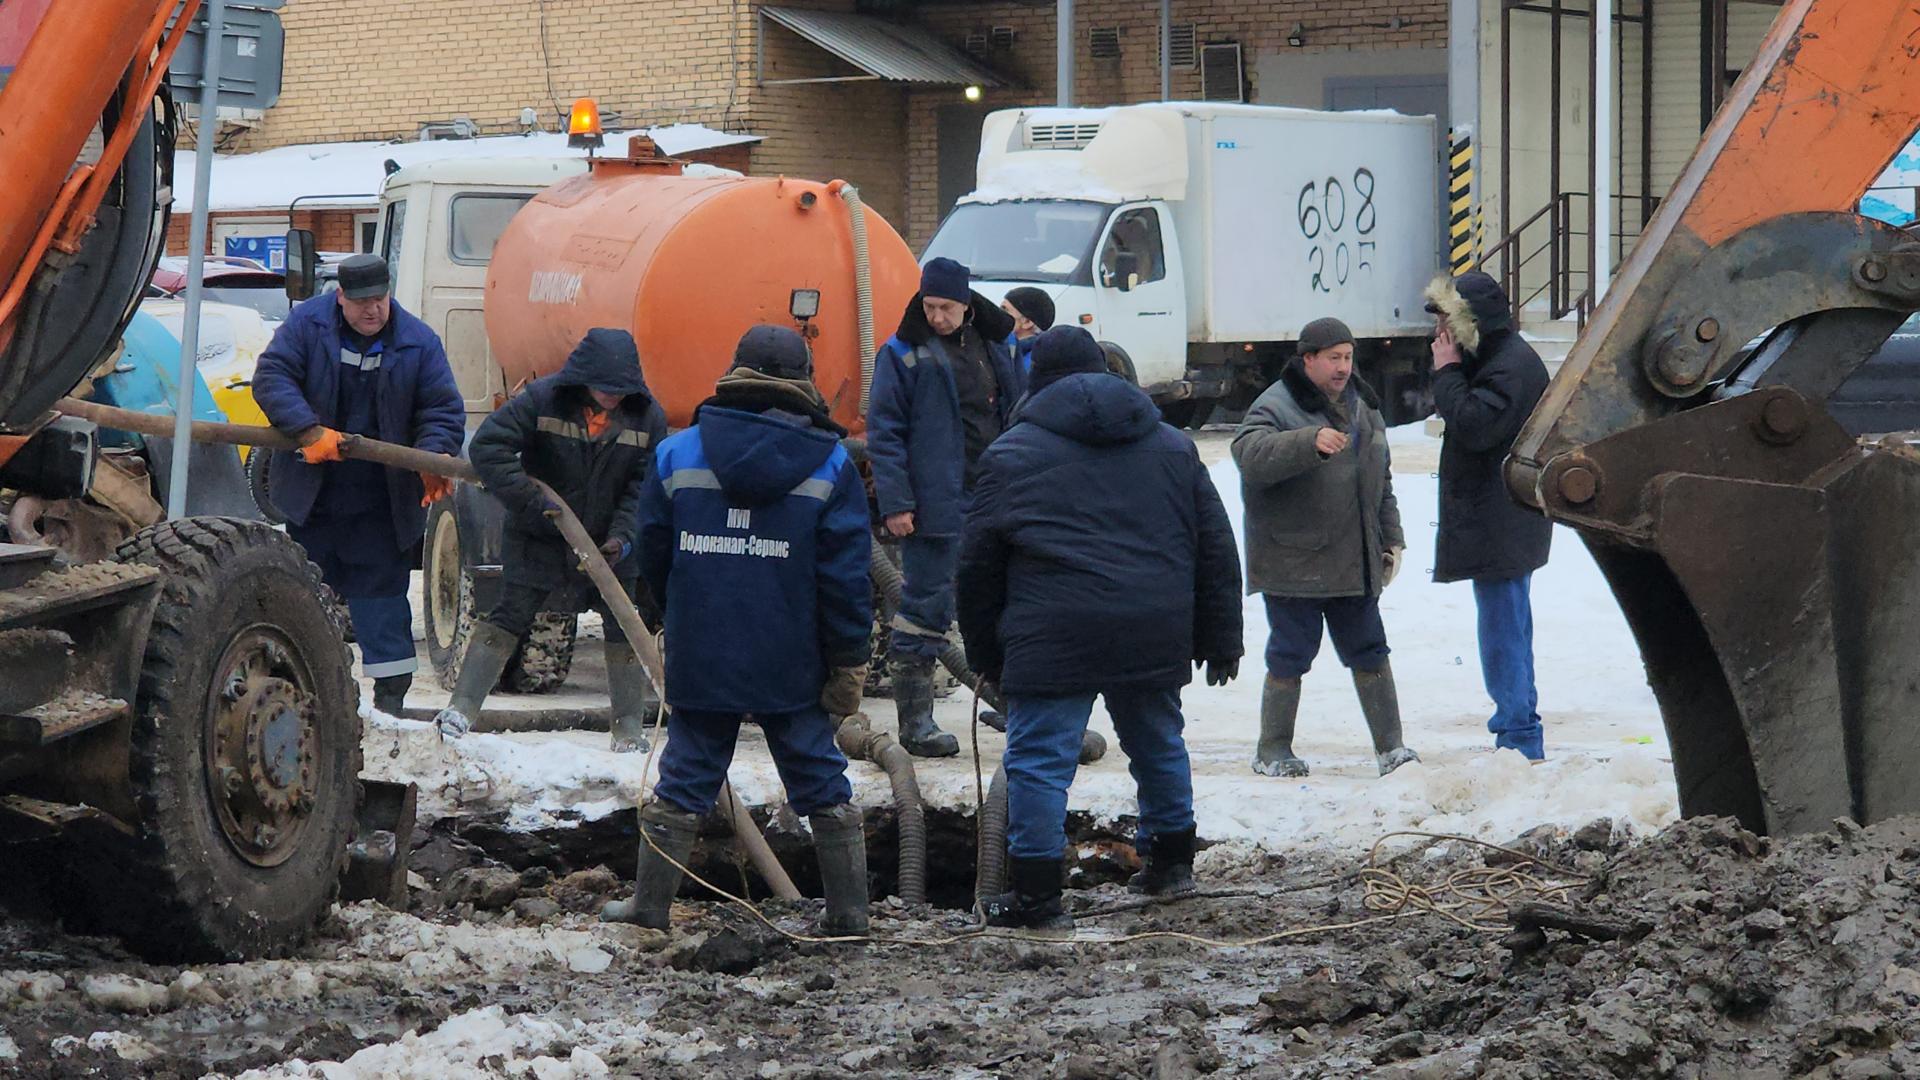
{"x":438,"y":487}
{"x":324,"y":447}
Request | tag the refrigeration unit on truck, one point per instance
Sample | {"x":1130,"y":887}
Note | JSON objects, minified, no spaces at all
{"x":1195,"y":240}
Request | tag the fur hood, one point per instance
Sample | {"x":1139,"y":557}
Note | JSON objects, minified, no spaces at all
{"x":1473,"y":305}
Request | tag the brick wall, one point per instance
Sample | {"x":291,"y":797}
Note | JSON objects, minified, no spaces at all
{"x":332,"y":229}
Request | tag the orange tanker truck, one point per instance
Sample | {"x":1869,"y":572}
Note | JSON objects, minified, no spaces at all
{"x":512,"y":261}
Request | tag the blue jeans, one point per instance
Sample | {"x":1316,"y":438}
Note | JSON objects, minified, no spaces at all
{"x":1043,"y":751}
{"x":926,"y":596}
{"x":700,"y":747}
{"x":1293,"y":633}
{"x":1506,"y":662}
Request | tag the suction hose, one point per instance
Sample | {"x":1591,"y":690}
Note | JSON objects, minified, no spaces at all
{"x":859,"y":741}
{"x":862,"y":284}
{"x":990,"y":858}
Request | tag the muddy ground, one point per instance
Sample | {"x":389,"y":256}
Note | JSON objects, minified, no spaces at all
{"x":1734,"y":956}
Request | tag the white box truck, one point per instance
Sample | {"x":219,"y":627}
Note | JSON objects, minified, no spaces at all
{"x":1195,"y":240}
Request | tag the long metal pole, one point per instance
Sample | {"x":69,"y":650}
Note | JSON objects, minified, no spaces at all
{"x":1600,"y":244}
{"x":1063,"y":53}
{"x":1166,"y":50}
{"x":209,"y":122}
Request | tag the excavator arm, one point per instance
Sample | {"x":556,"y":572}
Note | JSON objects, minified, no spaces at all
{"x":1762,"y":556}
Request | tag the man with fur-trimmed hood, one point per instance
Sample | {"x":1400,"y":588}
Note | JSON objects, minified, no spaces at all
{"x":1486,"y":382}
{"x":1323,"y":539}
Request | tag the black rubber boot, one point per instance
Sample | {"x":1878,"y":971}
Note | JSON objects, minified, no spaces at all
{"x":1380,"y":703}
{"x":1034,"y":904}
{"x":390,"y":693}
{"x":1279,"y":707}
{"x":488,"y":650}
{"x":1169,"y":866}
{"x":913,"y":697}
{"x":840,"y":843}
{"x":634,"y":707}
{"x":657,"y":880}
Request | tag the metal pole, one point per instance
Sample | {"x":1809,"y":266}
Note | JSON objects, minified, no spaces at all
{"x":1600,"y":244}
{"x":209,"y":122}
{"x":1166,"y":50}
{"x":1063,"y":55}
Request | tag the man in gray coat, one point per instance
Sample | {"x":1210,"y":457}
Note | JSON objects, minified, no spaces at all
{"x":1323,"y":538}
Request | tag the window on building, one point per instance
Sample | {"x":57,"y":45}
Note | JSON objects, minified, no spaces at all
{"x":478,"y":222}
{"x":1133,"y":248}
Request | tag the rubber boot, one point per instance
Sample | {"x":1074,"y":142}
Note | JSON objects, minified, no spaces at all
{"x":1034,"y":903}
{"x":656,"y":881}
{"x":1279,"y":707}
{"x":488,"y":650}
{"x":1380,"y":703}
{"x":390,"y":693}
{"x":913,"y":697}
{"x":840,"y":843}
{"x":634,"y":706}
{"x":1169,"y":866}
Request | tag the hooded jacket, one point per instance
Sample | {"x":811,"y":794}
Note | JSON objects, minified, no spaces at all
{"x":1316,"y":526}
{"x":1124,"y":585}
{"x":1485,"y":400}
{"x":418,"y":404}
{"x":754,"y":534}
{"x":542,"y":433}
{"x":915,"y":437}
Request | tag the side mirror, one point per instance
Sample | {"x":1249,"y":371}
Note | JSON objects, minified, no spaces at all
{"x":303,"y":264}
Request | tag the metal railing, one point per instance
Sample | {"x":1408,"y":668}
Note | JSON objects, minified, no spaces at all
{"x":1542,"y":259}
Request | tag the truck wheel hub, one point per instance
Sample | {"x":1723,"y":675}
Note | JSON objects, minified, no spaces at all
{"x":261,"y":754}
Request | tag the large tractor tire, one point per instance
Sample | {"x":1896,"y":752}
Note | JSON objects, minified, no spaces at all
{"x":541,"y":663}
{"x":245,"y":753}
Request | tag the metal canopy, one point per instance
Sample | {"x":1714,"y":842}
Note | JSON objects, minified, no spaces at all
{"x":884,"y":50}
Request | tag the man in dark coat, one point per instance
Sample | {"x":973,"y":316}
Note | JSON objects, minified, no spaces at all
{"x":354,"y":363}
{"x":1032,"y":311}
{"x":943,"y":389}
{"x":1486,"y":382}
{"x":1323,"y":539}
{"x":754,"y":534}
{"x":587,"y":431}
{"x":1098,"y":560}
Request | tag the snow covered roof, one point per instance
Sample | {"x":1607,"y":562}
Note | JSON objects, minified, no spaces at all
{"x":353,"y":171}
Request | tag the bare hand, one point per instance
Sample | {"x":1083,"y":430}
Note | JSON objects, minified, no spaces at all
{"x":900,"y":524}
{"x":1446,"y":351}
{"x":1329,"y":442}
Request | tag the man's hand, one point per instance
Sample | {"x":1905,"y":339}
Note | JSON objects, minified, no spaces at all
{"x":1220,"y":672}
{"x":1329,"y":442}
{"x":437,"y":488}
{"x":1390,"y":564}
{"x":841,"y":694}
{"x":900,"y":524}
{"x":616,"y":550}
{"x":320,"y":444}
{"x":1446,"y":351}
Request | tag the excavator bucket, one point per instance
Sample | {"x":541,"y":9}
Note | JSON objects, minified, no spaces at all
{"x":1763,"y":557}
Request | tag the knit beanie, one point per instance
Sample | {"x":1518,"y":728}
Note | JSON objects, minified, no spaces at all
{"x":1063,"y":351}
{"x":944,"y":279}
{"x":1036,"y":305}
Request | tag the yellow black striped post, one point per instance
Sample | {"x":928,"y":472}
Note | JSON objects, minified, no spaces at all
{"x":1462,"y":238}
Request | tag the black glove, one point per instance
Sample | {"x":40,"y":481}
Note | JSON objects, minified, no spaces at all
{"x":1220,"y":672}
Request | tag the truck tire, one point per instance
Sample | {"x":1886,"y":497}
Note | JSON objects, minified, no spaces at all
{"x":245,"y":751}
{"x":541,"y":663}
{"x":258,"y":463}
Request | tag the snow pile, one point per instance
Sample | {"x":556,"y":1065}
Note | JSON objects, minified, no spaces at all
{"x":539,"y":780}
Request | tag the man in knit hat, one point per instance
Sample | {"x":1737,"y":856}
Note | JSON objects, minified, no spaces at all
{"x":1323,"y":539}
{"x":1032,"y":311}
{"x":944,"y":387}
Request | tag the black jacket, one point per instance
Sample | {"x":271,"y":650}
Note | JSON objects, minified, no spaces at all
{"x":1485,"y":400}
{"x":1097,"y":555}
{"x":542,"y":433}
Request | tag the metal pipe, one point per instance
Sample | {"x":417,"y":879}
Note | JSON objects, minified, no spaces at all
{"x":1063,"y":53}
{"x":1556,"y":302}
{"x":1506,"y":145}
{"x":208,"y":123}
{"x":1646,"y":113}
{"x":1600,"y":157}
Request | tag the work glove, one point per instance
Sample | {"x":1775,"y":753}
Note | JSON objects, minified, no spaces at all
{"x":436,"y":488}
{"x":616,"y":550}
{"x":1221,"y":672}
{"x":841,"y":694}
{"x":538,"y":516}
{"x":1390,"y":564}
{"x":324,"y":447}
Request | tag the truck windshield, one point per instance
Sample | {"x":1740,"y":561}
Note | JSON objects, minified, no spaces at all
{"x":1023,"y":241}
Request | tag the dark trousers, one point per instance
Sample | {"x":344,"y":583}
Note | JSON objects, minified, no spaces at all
{"x":518,"y":604}
{"x":360,"y":559}
{"x":926,"y":596}
{"x":1506,"y":662}
{"x":700,"y":747}
{"x":1043,"y":753}
{"x":1293,"y":633}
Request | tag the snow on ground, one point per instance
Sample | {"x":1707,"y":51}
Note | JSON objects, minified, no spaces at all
{"x":1607,"y":750}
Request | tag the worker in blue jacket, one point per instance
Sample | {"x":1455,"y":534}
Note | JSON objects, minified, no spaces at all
{"x":944,"y":387}
{"x":354,"y":363}
{"x":754,"y":534}
{"x":1032,"y":311}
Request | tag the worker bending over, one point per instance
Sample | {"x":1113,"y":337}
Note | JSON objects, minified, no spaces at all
{"x":754,"y":533}
{"x":588,"y":432}
{"x":1097,"y":560}
{"x":354,"y":363}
